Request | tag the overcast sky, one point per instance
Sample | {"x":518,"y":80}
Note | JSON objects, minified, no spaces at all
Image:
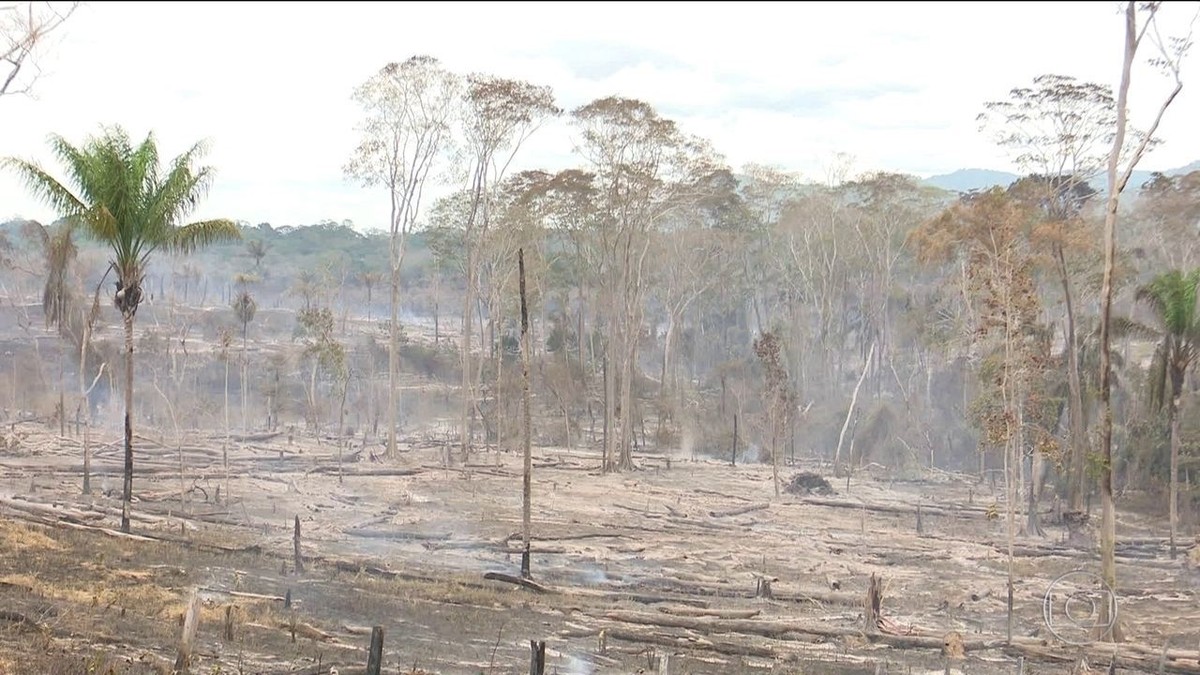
{"x":895,"y":85}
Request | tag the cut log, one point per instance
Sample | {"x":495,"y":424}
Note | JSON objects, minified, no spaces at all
{"x":717,"y":613}
{"x":1145,"y":660}
{"x":354,"y":471}
{"x":510,"y":579}
{"x":738,"y":511}
{"x":786,"y":630}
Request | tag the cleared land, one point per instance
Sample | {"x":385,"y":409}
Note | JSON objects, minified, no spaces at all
{"x":654,"y":569}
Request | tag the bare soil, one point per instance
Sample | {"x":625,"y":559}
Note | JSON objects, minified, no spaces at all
{"x":645,"y":571}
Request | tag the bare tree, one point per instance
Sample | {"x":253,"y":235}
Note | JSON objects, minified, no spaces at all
{"x":779,"y":397}
{"x":409,"y":110}
{"x":1169,"y":58}
{"x":526,"y":431}
{"x":25,"y":28}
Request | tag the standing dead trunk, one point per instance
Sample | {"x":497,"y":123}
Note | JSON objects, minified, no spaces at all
{"x":225,"y":445}
{"x":393,"y":343}
{"x":245,"y":367}
{"x":1116,"y":184}
{"x":837,"y":454}
{"x":526,"y":430}
{"x":341,"y":430}
{"x":468,"y":397}
{"x":1174,"y":488}
{"x":312,"y":400}
{"x":84,"y":408}
{"x":127,"y":491}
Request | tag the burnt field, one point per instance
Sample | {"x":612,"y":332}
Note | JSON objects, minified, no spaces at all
{"x":684,"y":566}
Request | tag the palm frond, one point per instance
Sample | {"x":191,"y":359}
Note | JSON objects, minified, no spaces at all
{"x":194,"y":235}
{"x":46,"y":188}
{"x":1126,"y":327}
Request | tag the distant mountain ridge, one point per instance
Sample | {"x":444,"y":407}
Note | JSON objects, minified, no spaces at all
{"x":965,"y":180}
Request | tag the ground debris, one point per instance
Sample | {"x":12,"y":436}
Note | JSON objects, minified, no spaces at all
{"x":809,"y":483}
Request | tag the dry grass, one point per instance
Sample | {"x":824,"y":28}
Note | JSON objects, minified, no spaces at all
{"x":24,"y":539}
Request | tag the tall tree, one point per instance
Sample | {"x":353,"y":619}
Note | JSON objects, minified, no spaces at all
{"x":1118,"y":177}
{"x":119,"y":194}
{"x":991,"y":233}
{"x":1172,"y":298}
{"x":408,"y":117}
{"x":498,"y":116}
{"x":644,"y":167}
{"x":1060,"y":130}
{"x":244,"y":308}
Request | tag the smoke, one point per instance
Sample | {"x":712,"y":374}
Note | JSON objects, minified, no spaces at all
{"x":577,"y":666}
{"x":592,"y":574}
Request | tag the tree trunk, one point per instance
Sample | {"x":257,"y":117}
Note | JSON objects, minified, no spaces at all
{"x":468,"y":398}
{"x":526,"y":503}
{"x":85,"y":408}
{"x":1108,"y":520}
{"x":225,"y":445}
{"x":853,"y":400}
{"x":127,"y":492}
{"x":1078,"y":459}
{"x":495,"y":310}
{"x":1175,"y":443}
{"x":245,"y":385}
{"x":312,"y":401}
{"x":342,"y":423}
{"x":393,"y":350}
{"x":606,"y":452}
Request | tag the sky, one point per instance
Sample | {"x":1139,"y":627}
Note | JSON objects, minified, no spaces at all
{"x":894,"y":86}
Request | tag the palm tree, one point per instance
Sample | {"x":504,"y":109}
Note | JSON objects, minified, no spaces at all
{"x":117,"y":193}
{"x":1172,"y":297}
{"x":244,"y":308}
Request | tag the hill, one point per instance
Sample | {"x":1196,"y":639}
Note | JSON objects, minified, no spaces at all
{"x":965,"y":180}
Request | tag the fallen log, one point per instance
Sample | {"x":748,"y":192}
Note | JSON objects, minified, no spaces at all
{"x":369,"y":533}
{"x":689,"y":642}
{"x":714,"y":493}
{"x":510,"y":579}
{"x":902,"y":509}
{"x":781,"y":629}
{"x":333,"y":470}
{"x":738,"y":511}
{"x":244,"y":594}
{"x":252,"y":438}
{"x":1150,"y":661}
{"x":718,"y":613}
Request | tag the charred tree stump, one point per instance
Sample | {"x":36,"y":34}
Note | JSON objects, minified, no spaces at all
{"x":762,"y":589}
{"x":296,"y":544}
{"x":871,"y":606}
{"x":375,"y":655}
{"x":733,"y":457}
{"x":227,"y":634}
{"x":191,"y":620}
{"x":537,"y":657}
